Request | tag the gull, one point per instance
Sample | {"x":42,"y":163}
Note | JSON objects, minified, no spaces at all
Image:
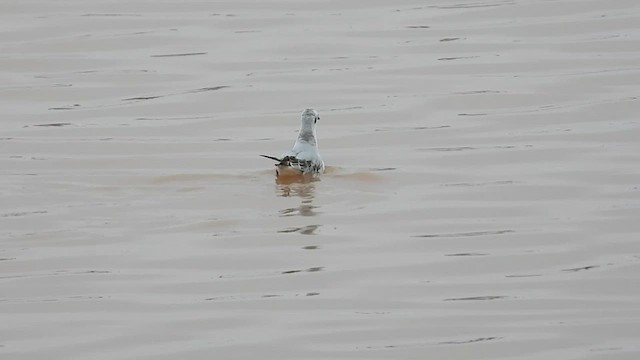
{"x":304,"y":158}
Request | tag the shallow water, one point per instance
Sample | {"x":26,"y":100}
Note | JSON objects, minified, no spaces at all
{"x":481,"y":199}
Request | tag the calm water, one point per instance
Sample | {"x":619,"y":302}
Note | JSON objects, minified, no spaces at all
{"x":481,"y":201}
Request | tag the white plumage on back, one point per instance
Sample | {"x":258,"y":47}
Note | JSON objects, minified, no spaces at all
{"x":304,"y":157}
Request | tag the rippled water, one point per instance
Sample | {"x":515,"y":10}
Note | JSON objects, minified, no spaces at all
{"x":481,"y":201}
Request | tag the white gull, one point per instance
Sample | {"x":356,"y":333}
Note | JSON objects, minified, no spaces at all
{"x":304,"y":158}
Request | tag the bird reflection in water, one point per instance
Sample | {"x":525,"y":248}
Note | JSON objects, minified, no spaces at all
{"x":302,"y":187}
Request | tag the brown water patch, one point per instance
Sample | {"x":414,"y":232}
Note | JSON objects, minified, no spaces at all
{"x":296,"y":179}
{"x":360,"y":177}
{"x":178,"y":178}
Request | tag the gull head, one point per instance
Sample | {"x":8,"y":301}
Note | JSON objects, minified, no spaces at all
{"x":309,"y":118}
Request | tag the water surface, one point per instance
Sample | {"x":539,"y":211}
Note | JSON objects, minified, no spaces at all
{"x":481,"y":200}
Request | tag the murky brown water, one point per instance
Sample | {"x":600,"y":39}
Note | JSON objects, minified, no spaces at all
{"x":481,"y":201}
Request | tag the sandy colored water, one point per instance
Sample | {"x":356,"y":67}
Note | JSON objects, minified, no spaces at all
{"x":481,"y":202}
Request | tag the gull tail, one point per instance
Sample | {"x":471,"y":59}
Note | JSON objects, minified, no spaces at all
{"x":285,"y":161}
{"x":272,"y":158}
